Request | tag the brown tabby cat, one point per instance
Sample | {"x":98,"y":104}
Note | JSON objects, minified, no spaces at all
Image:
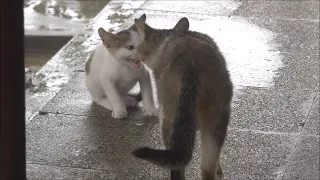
{"x":194,"y":92}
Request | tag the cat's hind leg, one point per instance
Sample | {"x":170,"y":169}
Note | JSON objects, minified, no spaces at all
{"x":130,"y":101}
{"x":97,"y":93}
{"x":213,"y":134}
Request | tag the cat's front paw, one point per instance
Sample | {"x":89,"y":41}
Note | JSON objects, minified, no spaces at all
{"x":152,"y":111}
{"x":119,"y":114}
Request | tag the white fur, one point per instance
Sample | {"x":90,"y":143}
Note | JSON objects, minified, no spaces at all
{"x":110,"y":79}
{"x":136,"y":37}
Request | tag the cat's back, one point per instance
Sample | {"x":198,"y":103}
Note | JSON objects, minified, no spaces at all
{"x":194,"y":50}
{"x":197,"y":53}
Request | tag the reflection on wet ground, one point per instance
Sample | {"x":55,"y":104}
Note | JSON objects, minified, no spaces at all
{"x":44,"y":18}
{"x":76,"y":10}
{"x":59,"y":18}
{"x":251,"y":51}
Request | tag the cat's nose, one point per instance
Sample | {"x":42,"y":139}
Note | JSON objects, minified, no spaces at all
{"x":140,"y":57}
{"x":135,"y":56}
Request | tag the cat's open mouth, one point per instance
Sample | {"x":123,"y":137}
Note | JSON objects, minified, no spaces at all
{"x":134,"y":63}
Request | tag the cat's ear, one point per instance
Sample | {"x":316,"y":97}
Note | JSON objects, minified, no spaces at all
{"x":143,"y":29}
{"x":182,"y":25}
{"x":143,"y":17}
{"x":141,"y":26}
{"x":106,"y":37}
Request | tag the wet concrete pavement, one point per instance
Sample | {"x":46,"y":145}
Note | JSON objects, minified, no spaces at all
{"x":272,"y":51}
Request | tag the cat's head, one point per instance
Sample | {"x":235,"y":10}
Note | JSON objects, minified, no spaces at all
{"x":148,"y":39}
{"x":121,"y":45}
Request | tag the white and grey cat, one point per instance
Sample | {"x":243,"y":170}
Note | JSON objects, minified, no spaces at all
{"x":111,"y":73}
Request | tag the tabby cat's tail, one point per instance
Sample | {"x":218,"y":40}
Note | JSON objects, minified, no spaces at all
{"x":183,"y":131}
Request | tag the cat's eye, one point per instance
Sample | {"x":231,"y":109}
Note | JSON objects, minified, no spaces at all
{"x":130,"y":47}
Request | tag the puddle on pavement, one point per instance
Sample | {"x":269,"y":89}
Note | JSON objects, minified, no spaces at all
{"x":76,"y":10}
{"x":251,"y":52}
{"x":252,"y":55}
{"x":51,"y":16}
{"x":61,"y":11}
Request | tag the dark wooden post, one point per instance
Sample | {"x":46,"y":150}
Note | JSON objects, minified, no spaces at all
{"x":13,"y":165}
